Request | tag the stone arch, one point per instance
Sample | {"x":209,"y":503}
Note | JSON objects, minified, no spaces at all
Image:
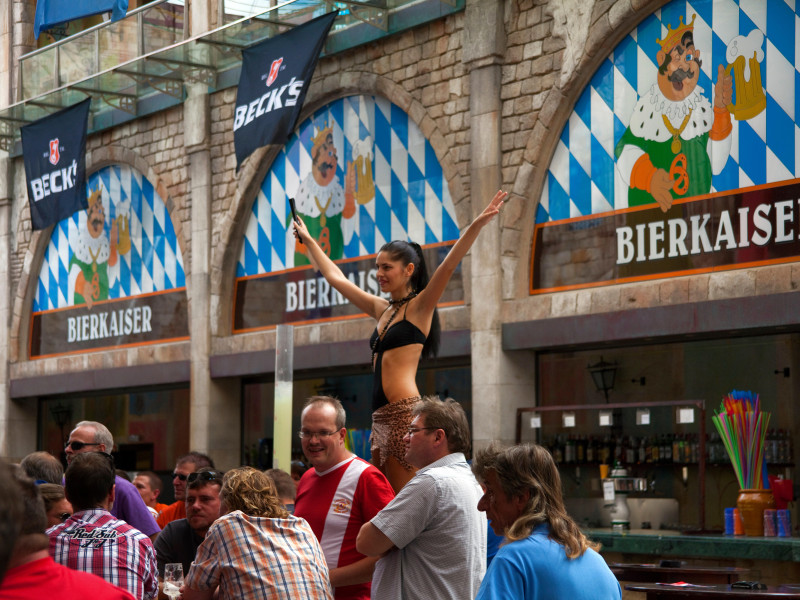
{"x":256,"y":167}
{"x":606,"y":32}
{"x":32,"y":263}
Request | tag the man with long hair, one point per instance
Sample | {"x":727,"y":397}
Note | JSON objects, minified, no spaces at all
{"x":546,"y":556}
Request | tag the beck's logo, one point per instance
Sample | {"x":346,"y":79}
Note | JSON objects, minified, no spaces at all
{"x":55,"y":155}
{"x":273,"y":71}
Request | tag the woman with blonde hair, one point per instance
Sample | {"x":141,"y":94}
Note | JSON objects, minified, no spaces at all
{"x":256,"y":549}
{"x":407,"y":328}
{"x":545,"y":556}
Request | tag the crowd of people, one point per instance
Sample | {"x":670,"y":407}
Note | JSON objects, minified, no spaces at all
{"x":412,"y":524}
{"x":339,"y":532}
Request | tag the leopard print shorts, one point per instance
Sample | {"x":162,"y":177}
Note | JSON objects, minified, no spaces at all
{"x":389,"y":426}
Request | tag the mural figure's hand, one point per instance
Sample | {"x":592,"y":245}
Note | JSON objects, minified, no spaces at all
{"x":84,"y":288}
{"x":660,"y":186}
{"x":723,"y":89}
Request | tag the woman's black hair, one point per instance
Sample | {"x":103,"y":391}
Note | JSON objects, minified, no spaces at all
{"x":411,"y":252}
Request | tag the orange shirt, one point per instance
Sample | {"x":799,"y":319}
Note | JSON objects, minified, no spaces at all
{"x":175,"y":511}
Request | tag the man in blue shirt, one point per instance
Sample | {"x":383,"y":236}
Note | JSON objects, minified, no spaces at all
{"x":546,"y":556}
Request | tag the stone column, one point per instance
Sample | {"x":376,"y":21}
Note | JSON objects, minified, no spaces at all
{"x":15,"y":425}
{"x":215,"y":408}
{"x":494,"y":397}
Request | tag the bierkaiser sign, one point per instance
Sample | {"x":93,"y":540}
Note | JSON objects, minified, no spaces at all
{"x":132,"y":321}
{"x":757,"y":226}
{"x":301,"y":295}
{"x":273,"y":85}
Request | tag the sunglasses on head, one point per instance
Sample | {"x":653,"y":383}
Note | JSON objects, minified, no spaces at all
{"x":205,"y":476}
{"x":79,"y":445}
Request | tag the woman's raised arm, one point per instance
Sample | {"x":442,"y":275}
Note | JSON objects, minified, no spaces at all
{"x":430,"y":296}
{"x":369,"y":303}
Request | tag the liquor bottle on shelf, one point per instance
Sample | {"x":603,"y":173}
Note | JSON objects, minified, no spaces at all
{"x":642,"y":454}
{"x":630,"y":451}
{"x":569,"y":450}
{"x":591,"y":450}
{"x":655,"y":455}
{"x":605,"y":450}
{"x":558,"y":452}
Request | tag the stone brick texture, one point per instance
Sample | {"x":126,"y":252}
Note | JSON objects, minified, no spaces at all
{"x":422,"y":71}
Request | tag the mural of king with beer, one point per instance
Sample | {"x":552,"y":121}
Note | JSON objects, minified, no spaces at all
{"x":676,"y":138}
{"x":326,"y":208}
{"x":94,"y":262}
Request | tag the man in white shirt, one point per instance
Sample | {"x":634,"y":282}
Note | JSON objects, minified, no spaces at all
{"x":431,"y":537}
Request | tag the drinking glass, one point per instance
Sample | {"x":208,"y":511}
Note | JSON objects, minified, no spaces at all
{"x":173,"y":579}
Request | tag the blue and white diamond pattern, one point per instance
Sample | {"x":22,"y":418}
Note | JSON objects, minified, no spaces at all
{"x":412,"y":201}
{"x":582,"y":178}
{"x":154,"y":262}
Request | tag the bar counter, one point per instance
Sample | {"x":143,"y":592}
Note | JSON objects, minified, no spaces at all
{"x":661,"y":543}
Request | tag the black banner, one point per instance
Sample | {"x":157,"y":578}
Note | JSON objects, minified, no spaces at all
{"x":138,"y":320}
{"x":273,"y":85}
{"x":758,"y":226}
{"x":303,"y":295}
{"x":54,"y":151}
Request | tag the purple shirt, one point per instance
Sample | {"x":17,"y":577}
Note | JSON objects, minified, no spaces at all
{"x":129,"y":506}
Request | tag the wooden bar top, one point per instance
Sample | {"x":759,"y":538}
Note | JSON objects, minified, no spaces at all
{"x":655,"y":591}
{"x":655,"y":573}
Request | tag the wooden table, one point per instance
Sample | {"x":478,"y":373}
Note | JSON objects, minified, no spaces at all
{"x":647,"y":573}
{"x":655,"y":591}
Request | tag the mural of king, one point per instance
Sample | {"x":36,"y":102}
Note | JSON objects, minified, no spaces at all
{"x":94,"y":263}
{"x":676,"y":138}
{"x":327,"y":210}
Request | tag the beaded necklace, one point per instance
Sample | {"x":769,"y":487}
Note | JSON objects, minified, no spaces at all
{"x":398,"y":303}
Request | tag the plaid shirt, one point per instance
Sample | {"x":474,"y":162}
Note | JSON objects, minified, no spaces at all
{"x":257,"y":557}
{"x":96,"y":542}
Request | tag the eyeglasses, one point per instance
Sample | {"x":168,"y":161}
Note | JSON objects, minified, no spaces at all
{"x":320,"y":434}
{"x":413,"y":430}
{"x":78,"y":445}
{"x":205,"y":476}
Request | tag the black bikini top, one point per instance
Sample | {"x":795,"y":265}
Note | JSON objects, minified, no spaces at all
{"x":402,"y":333}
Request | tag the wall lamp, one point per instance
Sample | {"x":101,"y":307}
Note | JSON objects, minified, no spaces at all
{"x":603,"y":375}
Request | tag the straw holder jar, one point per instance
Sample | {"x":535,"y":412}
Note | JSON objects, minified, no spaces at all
{"x":751,"y":505}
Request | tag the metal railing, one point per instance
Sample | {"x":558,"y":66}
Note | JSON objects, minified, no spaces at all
{"x":146,"y":29}
{"x":159,"y":25}
{"x":140,"y":64}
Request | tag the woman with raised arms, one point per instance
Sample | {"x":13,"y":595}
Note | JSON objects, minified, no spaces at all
{"x":407,"y":328}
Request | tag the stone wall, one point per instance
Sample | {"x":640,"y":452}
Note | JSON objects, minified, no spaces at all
{"x":552,"y":48}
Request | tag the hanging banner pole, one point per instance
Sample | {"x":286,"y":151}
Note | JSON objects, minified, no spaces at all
{"x":284,"y":374}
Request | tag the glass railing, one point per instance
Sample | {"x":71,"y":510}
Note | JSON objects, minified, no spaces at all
{"x":140,"y":64}
{"x":144,"y":30}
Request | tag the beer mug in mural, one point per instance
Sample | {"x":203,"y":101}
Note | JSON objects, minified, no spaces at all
{"x":744,"y":56}
{"x":124,"y":232}
{"x":362,"y":163}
